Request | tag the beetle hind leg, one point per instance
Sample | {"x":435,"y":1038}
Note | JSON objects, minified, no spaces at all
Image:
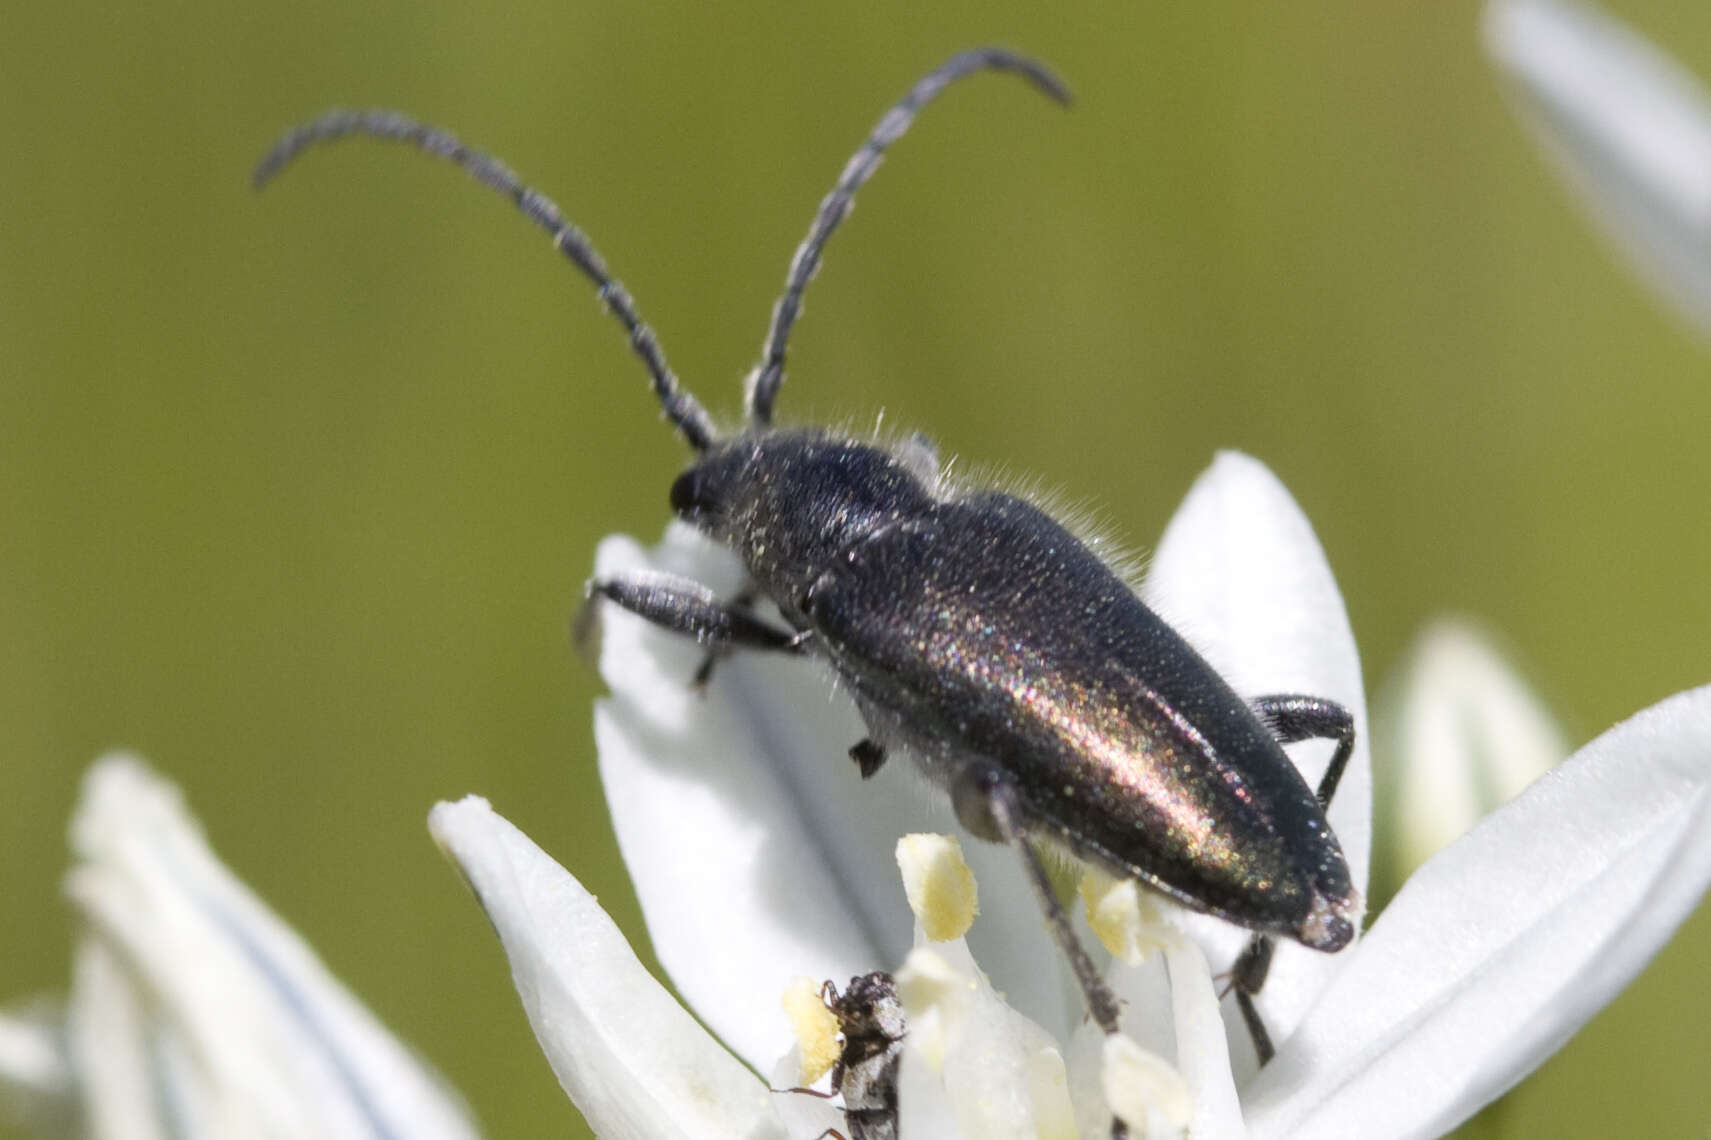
{"x":1291,"y":718}
{"x":1247,"y":978}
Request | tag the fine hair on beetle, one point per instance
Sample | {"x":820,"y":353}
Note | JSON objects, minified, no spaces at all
{"x":1032,"y":686}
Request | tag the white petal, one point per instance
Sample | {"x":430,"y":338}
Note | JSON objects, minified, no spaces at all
{"x":1240,"y":574}
{"x":1175,"y":1016}
{"x":1506,"y":942}
{"x":1202,"y":1046}
{"x":37,"y":1088}
{"x":801,"y":1113}
{"x":633,"y":1060}
{"x":1148,"y":1003}
{"x":1467,"y":735}
{"x":111,"y":1050}
{"x":1144,"y":1091}
{"x":1004,"y":1076}
{"x":1627,"y":126}
{"x":924,"y":1107}
{"x":758,"y":853}
{"x":181,"y":956}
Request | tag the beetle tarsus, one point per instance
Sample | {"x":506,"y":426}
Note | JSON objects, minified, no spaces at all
{"x":869,"y":757}
{"x":1263,"y":1048}
{"x":1247,"y":978}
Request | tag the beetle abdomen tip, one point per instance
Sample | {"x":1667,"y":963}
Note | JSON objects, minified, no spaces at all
{"x":1327,"y":926}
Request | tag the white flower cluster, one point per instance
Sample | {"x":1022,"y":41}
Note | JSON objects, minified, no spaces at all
{"x":196,"y":1012}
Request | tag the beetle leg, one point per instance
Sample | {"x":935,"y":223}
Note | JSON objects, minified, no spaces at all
{"x":744,"y":601}
{"x":1291,"y":719}
{"x":1294,"y":718}
{"x":1003,"y":812}
{"x":868,"y":756}
{"x":1004,"y":809}
{"x":1247,"y":977}
{"x":685,"y":606}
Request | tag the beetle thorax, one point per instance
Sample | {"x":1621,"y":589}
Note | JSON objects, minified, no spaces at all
{"x":790,"y":502}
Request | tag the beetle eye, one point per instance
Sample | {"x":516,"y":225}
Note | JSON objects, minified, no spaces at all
{"x":686,"y":492}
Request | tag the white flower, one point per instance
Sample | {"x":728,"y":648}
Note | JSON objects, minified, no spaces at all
{"x":639,"y":1067}
{"x":194,"y":1011}
{"x":1463,"y":733}
{"x":634,"y":1062}
{"x":760,"y":856}
{"x":1627,"y":126}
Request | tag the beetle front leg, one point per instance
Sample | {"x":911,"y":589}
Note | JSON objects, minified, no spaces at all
{"x":685,"y":606}
{"x":1292,"y":719}
{"x":744,"y":601}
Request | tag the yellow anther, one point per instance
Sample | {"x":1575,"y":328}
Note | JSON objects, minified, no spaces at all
{"x":815,"y":1026}
{"x":939,"y":884}
{"x":1125,"y":919}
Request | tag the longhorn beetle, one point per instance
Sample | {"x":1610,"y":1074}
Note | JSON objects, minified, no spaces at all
{"x":973,"y":630}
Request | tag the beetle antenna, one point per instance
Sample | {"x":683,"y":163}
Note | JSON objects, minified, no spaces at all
{"x":764,"y":381}
{"x":681,"y":408}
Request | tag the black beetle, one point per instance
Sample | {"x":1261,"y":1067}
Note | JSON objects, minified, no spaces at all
{"x":972,"y":628}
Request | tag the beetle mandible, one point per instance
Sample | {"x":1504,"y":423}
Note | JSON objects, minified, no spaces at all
{"x":1034,"y":686}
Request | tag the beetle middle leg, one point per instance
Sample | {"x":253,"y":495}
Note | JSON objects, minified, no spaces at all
{"x":685,"y":606}
{"x":987,"y":804}
{"x":1292,"y":719}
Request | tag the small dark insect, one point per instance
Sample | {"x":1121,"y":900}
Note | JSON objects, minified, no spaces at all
{"x":972,"y":629}
{"x":872,"y":1025}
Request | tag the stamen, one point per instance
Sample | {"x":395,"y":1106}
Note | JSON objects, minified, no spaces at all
{"x":1143,"y":1089}
{"x":1129,"y":922}
{"x":933,"y":992}
{"x":815,"y":1026}
{"x":940,"y":886}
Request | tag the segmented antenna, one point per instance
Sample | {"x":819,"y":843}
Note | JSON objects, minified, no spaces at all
{"x":681,"y":408}
{"x":764,"y":381}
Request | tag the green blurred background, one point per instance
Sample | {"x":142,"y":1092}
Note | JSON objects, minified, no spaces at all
{"x":298,"y":492}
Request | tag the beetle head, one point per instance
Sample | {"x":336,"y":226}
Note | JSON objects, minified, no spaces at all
{"x":789,"y":501}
